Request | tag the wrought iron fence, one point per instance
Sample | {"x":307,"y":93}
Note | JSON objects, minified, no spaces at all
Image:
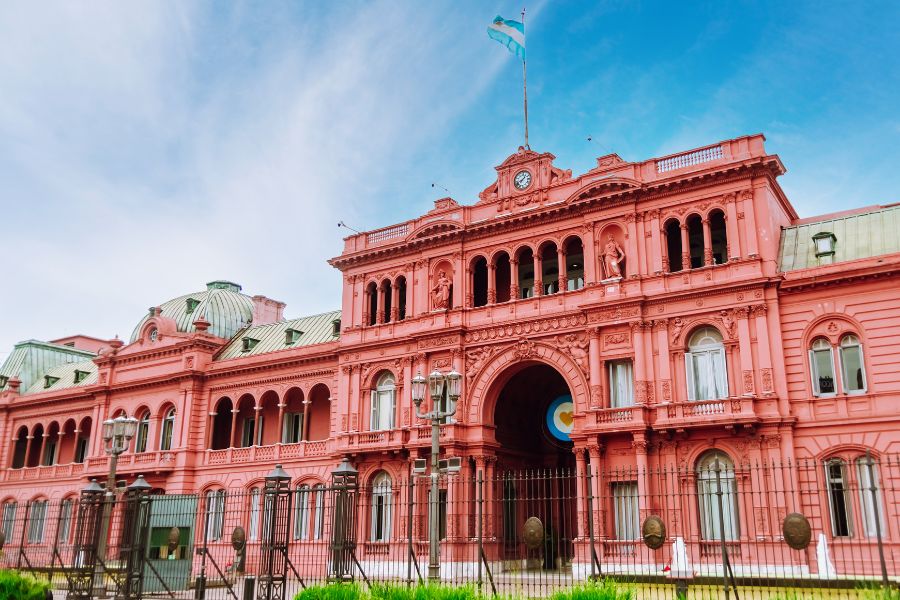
{"x":819,"y":528}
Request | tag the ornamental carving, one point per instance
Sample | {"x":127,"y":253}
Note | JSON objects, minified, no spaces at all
{"x":440,"y":363}
{"x":767,"y":380}
{"x":677,"y":326}
{"x":596,"y":396}
{"x":612,"y":258}
{"x":727,"y":323}
{"x":524,"y":349}
{"x":435,"y":342}
{"x":476,"y":358}
{"x":519,"y":329}
{"x":667,"y":390}
{"x":616,"y":338}
{"x":615,"y":314}
{"x":440,"y":292}
{"x":653,"y":531}
{"x":576,"y":346}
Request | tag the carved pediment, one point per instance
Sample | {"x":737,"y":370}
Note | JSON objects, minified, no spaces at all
{"x":604,"y":185}
{"x":541,"y":174}
{"x":434,"y":228}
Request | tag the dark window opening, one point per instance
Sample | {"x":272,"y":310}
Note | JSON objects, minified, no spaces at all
{"x":479,"y":282}
{"x":695,"y":241}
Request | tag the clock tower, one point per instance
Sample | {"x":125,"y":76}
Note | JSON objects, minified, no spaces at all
{"x":523,"y":179}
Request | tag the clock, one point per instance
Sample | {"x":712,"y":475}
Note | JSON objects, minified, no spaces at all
{"x":522,"y":180}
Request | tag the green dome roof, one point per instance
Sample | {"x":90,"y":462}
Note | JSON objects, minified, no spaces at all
{"x":222,"y":303}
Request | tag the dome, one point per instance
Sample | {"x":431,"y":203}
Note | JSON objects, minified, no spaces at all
{"x":222,"y":303}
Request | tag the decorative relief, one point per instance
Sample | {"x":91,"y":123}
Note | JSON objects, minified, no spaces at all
{"x":666,"y":390}
{"x":596,"y":396}
{"x":189,"y":362}
{"x":832,"y":327}
{"x":727,"y":323}
{"x":440,"y":292}
{"x":615,"y":314}
{"x":524,"y":349}
{"x":748,"y":382}
{"x":440,"y":363}
{"x":615,"y":339}
{"x":476,"y":358}
{"x":446,"y":340}
{"x":576,"y":346}
{"x":677,"y":326}
{"x":518,"y":329}
{"x":767,"y":380}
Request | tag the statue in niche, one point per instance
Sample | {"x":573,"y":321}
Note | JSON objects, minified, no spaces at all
{"x":440,"y":293}
{"x":613,"y":255}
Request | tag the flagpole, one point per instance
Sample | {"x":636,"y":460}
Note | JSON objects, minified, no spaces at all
{"x":525,"y":87}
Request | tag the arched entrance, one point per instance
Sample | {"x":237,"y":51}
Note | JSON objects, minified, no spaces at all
{"x":533,"y":415}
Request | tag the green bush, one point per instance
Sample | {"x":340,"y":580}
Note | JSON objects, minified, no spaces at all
{"x":423,"y":592}
{"x":21,"y":586}
{"x":335,"y":591}
{"x":602,"y":590}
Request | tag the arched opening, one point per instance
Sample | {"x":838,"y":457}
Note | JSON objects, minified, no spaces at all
{"x":383,"y":403}
{"x":167,"y":429}
{"x":319,"y":427}
{"x":34,"y":453}
{"x":673,"y":245}
{"x":372,"y":304}
{"x":143,"y":431}
{"x":268,"y":419}
{"x":51,"y":446}
{"x":221,"y":433}
{"x":67,"y":442}
{"x":612,"y":257}
{"x":718,"y":237}
{"x":695,"y":240}
{"x":526,"y":272}
{"x":706,"y":367}
{"x":549,"y":268}
{"x":387,"y":292}
{"x":479,"y":282}
{"x":533,"y":417}
{"x":717,"y":497}
{"x":83,"y":439}
{"x":20,"y":448}
{"x":294,"y":412}
{"x":502,"y":277}
{"x":401,"y":298}
{"x":246,"y":422}
{"x":574,"y":263}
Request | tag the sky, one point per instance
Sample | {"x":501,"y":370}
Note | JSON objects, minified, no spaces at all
{"x":149,"y":147}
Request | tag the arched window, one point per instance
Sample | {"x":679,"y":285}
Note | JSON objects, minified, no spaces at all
{"x":215,"y":514}
{"x":9,"y":519}
{"x":870,"y":497}
{"x":381,"y":508}
{"x":168,"y":427}
{"x":37,"y":520}
{"x":319,"y":516}
{"x":853,"y":370}
{"x":143,"y":431}
{"x":718,"y":237}
{"x":574,"y":264}
{"x":821,"y":367}
{"x":838,"y":497}
{"x":301,"y":517}
{"x":707,"y":378}
{"x":64,"y":528}
{"x":372,"y":303}
{"x":674,"y":249}
{"x":479,"y":282}
{"x":695,"y":241}
{"x":254,"y":513}
{"x":715,"y":473}
{"x":382,"y":416}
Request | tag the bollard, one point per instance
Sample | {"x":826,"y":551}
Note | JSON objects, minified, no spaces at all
{"x":249,"y":584}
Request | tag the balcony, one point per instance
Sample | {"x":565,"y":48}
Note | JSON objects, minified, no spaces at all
{"x":43,"y":473}
{"x":620,"y":419}
{"x":145,"y":462}
{"x":726,"y":412}
{"x":266,"y":454}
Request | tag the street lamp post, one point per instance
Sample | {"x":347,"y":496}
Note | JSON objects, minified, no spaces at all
{"x":117,"y":434}
{"x":436,"y":384}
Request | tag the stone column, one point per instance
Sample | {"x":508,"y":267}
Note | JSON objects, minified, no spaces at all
{"x":561,"y":267}
{"x":304,"y":434}
{"x":256,"y":430}
{"x":594,"y":367}
{"x":633,"y":259}
{"x":657,"y":254}
{"x":470,"y":288}
{"x":281,"y":406}
{"x":763,"y":350}
{"x":406,"y":402}
{"x":707,"y":243}
{"x":640,"y":371}
{"x":597,"y":487}
{"x":365,"y":308}
{"x":664,"y":368}
{"x":44,"y":437}
{"x":492,"y":283}
{"x":514,"y":279}
{"x":749,"y":214}
{"x":640,"y":446}
{"x":580,"y":493}
{"x":28,"y":443}
{"x":731,"y":227}
{"x":685,"y":248}
{"x":746,"y":385}
{"x":538,"y":275}
{"x":395,"y":302}
{"x":664,"y":249}
{"x":379,"y":311}
{"x":590,"y":256}
{"x":234,"y":434}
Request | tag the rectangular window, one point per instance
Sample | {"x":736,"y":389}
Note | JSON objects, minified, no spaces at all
{"x":320,"y":512}
{"x":293,"y":428}
{"x":9,"y":520}
{"x":254,"y":514}
{"x":36,"y":521}
{"x":442,"y":514}
{"x":621,"y":384}
{"x":301,"y":519}
{"x":382,"y":410}
{"x":869,"y":500}
{"x":81,"y":447}
{"x":247,"y":432}
{"x":65,"y":520}
{"x":165,"y":440}
{"x":711,"y":517}
{"x":838,"y":498}
{"x":625,"y":510}
{"x":706,"y":375}
{"x":822,"y":367}
{"x":50,"y":453}
{"x":381,"y":516}
{"x":215,"y":514}
{"x":853,"y":371}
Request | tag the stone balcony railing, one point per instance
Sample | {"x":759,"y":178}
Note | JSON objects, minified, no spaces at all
{"x":702,"y":413}
{"x":159,"y":460}
{"x":43,"y":473}
{"x":267,"y":454}
{"x":625,"y":418}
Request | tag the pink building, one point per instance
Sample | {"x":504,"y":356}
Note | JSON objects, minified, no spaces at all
{"x":650,"y":315}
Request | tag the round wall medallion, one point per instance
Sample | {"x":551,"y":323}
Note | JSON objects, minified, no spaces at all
{"x":654,"y":532}
{"x":174,"y":538}
{"x":533,"y":533}
{"x":238,"y":538}
{"x":796,"y":530}
{"x":560,"y":418}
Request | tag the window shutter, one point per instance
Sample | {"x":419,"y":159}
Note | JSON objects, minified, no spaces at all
{"x":814,"y":376}
{"x":373,"y":417}
{"x":689,"y":375}
{"x":393,"y":418}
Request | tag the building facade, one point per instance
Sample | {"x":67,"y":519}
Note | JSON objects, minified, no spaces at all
{"x":647,"y":314}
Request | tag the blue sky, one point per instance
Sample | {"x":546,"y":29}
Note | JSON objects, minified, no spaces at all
{"x":146,"y":148}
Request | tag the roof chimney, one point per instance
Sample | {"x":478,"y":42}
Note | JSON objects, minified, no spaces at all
{"x":266,"y":310}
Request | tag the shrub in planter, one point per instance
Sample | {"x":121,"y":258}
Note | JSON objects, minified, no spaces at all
{"x":21,"y":586}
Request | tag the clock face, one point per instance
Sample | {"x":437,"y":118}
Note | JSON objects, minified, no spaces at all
{"x":522,"y":180}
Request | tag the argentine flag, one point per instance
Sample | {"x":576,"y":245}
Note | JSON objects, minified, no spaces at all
{"x":509,"y":33}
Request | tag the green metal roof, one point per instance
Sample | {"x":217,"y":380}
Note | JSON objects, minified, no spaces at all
{"x":222,"y":303}
{"x":862,"y":235}
{"x":273,"y":337}
{"x":63,"y":376}
{"x":30,"y":359}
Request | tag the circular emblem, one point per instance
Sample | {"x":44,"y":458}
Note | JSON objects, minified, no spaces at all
{"x":238,"y":538}
{"x":533,"y":533}
{"x":522,"y":180}
{"x":796,"y":530}
{"x":654,"y":532}
{"x":561,"y":417}
{"x":174,"y":538}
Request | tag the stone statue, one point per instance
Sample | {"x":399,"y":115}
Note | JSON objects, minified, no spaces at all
{"x":727,"y":323}
{"x":613,"y":255}
{"x":677,"y":326}
{"x":440,"y":293}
